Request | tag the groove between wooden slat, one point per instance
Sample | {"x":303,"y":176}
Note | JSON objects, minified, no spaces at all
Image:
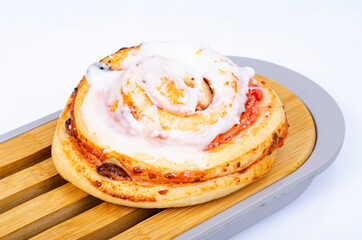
{"x":28,"y":183}
{"x":44,"y":211}
{"x":107,"y":220}
{"x":26,"y":149}
{"x":23,"y":163}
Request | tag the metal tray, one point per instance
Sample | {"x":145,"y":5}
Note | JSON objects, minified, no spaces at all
{"x":330,"y":136}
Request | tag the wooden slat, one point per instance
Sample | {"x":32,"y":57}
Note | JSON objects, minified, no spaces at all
{"x":44,"y":211}
{"x":28,"y":183}
{"x":27,"y":149}
{"x":297,"y":148}
{"x":107,"y":220}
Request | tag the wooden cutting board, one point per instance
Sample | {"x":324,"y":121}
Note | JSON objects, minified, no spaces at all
{"x":35,"y":201}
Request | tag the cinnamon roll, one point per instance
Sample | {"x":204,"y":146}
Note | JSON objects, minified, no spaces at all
{"x":167,"y":125}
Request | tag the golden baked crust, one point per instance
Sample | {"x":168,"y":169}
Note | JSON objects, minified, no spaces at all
{"x":234,"y":158}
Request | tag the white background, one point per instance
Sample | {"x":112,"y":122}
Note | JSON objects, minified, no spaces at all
{"x":46,"y":46}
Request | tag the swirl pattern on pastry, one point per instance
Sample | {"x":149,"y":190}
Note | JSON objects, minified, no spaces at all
{"x":162,"y":114}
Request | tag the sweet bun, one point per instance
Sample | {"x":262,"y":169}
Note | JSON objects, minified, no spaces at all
{"x":168,"y":125}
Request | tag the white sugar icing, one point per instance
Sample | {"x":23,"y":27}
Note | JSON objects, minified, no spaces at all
{"x":145,"y":67}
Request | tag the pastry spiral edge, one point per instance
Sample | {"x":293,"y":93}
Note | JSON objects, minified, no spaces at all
{"x":113,"y":176}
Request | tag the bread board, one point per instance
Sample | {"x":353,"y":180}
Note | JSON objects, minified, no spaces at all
{"x":36,"y":202}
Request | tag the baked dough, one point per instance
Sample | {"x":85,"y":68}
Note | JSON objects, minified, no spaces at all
{"x":233,"y":158}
